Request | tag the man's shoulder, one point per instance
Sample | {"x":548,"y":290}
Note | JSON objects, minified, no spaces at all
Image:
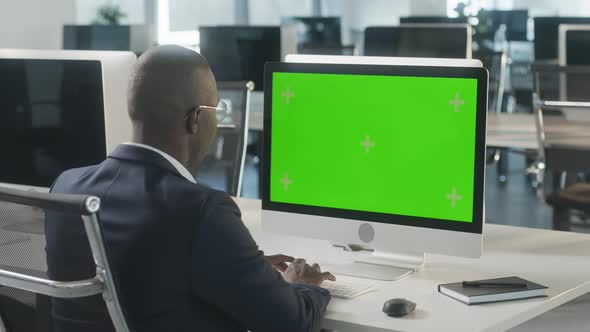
{"x":211,"y":201}
{"x":173,"y":192}
{"x":67,"y":178}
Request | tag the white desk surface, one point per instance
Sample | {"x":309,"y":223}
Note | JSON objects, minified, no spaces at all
{"x":558,"y":260}
{"x":517,"y":131}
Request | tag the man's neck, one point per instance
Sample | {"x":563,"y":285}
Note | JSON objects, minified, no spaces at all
{"x":174,"y":149}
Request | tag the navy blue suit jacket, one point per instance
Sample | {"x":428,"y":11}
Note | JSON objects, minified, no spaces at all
{"x":181,"y":256}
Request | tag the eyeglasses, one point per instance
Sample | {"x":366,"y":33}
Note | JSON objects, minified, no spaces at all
{"x":221,"y":110}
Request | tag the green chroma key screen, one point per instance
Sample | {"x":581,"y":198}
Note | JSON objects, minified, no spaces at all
{"x":386,"y":144}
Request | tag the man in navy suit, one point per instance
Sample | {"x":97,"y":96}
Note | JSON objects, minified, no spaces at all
{"x":181,"y":256}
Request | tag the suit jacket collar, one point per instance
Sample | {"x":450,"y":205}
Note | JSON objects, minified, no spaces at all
{"x":142,"y":155}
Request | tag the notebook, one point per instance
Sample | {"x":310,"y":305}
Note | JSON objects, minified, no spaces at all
{"x":480,"y":295}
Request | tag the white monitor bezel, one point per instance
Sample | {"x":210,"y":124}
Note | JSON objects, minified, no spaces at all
{"x":562,"y":39}
{"x":388,"y":237}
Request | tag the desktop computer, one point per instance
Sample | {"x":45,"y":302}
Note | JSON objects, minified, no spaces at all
{"x":547,"y":35}
{"x":60,"y":110}
{"x":574,"y":44}
{"x":371,"y":161}
{"x":574,"y":50}
{"x":419,"y":40}
{"x":516,"y":22}
{"x":238,"y":53}
{"x":315,"y":31}
{"x":135,"y":38}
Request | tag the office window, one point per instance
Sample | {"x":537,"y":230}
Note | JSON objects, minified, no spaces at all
{"x":179,"y":20}
{"x":166,"y":32}
{"x":86,"y":10}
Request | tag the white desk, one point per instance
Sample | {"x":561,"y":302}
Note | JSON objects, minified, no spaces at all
{"x":556,"y":259}
{"x":517,"y":131}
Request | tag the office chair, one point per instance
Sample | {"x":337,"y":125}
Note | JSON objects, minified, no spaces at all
{"x":563,"y":139}
{"x":229,"y":150}
{"x":24,"y":283}
{"x":573,"y":198}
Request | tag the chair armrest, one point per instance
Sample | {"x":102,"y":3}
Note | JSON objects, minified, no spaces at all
{"x":81,"y":204}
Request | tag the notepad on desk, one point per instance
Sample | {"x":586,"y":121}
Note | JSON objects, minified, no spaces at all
{"x":493,"y":290}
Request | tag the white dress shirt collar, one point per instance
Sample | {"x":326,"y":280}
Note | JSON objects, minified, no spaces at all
{"x":179,"y":167}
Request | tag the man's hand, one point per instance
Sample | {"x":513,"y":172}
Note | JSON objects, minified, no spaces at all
{"x":279,"y":262}
{"x":300,"y":272}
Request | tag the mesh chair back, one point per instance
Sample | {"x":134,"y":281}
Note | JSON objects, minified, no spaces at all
{"x":24,"y":282}
{"x":228,"y":153}
{"x":22,"y":250}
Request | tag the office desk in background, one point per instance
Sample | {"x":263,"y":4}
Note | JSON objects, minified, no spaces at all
{"x":515,"y":131}
{"x":519,"y":131}
{"x":558,"y":260}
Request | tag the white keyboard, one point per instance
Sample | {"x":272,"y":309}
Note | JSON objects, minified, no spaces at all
{"x":346,"y":290}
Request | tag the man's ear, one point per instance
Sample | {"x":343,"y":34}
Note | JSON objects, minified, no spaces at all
{"x":192,"y":122}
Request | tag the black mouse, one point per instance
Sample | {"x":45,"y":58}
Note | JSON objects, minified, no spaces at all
{"x":398,"y":307}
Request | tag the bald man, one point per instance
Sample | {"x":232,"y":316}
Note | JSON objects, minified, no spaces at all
{"x":181,"y":256}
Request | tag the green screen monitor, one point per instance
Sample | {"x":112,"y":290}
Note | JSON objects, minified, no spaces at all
{"x":396,"y":150}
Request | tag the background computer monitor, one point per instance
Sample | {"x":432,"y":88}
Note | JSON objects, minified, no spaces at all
{"x":316,"y":31}
{"x":546,"y":35}
{"x":238,"y":53}
{"x":135,"y":38}
{"x":302,"y":194}
{"x":574,"y":44}
{"x":574,"y":50}
{"x":59,"y":110}
{"x":516,"y":22}
{"x":423,"y":40}
{"x":432,"y":19}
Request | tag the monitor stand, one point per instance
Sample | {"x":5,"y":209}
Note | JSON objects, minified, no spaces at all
{"x":378,"y":265}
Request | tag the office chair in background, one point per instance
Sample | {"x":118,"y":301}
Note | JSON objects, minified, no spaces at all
{"x":563,"y":126}
{"x":24,"y":285}
{"x":229,"y":150}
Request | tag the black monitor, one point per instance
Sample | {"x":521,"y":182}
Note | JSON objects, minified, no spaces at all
{"x":432,"y":19}
{"x":546,"y":35}
{"x":135,"y":38}
{"x":96,"y":37}
{"x":238,"y":53}
{"x":436,"y":41}
{"x":516,"y":22}
{"x":316,"y":31}
{"x":51,"y":118}
{"x":578,"y":48}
